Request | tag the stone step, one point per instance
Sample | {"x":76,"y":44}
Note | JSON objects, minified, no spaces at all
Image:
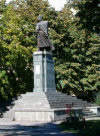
{"x":60,"y":96}
{"x":91,"y":116}
{"x":53,"y":100}
{"x":65,"y":103}
{"x":88,"y":113}
{"x":64,"y":100}
{"x":64,"y":106}
{"x":94,"y":117}
{"x":71,"y":102}
{"x":49,"y":97}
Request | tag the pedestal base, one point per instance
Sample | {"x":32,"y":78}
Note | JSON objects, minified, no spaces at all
{"x":44,"y":77}
{"x":42,"y":115}
{"x":45,"y":107}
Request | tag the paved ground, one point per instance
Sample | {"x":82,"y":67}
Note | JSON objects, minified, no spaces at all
{"x":15,"y":128}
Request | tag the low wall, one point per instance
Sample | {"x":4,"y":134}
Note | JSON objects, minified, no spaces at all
{"x":95,"y":109}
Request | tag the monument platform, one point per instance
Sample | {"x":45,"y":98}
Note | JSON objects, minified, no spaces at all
{"x":45,"y":103}
{"x":46,"y":106}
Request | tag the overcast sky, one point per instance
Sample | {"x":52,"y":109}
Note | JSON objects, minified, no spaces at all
{"x":57,"y":4}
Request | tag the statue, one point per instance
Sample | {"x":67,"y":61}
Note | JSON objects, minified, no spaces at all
{"x":44,"y":42}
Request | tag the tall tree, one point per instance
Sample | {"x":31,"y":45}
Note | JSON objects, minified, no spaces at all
{"x":89,"y":14}
{"x":17,"y":43}
{"x":78,"y":65}
{"x":77,"y":47}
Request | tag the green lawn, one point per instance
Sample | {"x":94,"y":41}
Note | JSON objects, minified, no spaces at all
{"x":89,"y":128}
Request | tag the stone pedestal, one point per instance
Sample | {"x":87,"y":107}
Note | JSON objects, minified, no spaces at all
{"x":44,"y":77}
{"x":44,"y":106}
{"x":44,"y":103}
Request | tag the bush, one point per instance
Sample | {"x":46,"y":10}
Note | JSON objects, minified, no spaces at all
{"x":91,"y":128}
{"x":97,"y":100}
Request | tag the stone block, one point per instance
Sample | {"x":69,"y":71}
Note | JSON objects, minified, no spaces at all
{"x":44,"y":77}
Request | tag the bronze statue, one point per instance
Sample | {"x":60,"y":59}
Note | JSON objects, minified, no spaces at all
{"x":44,"y":42}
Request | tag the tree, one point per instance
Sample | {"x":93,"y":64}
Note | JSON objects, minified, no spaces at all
{"x":88,"y":19}
{"x":77,"y":47}
{"x":89,"y":14}
{"x":78,"y":65}
{"x":16,"y":74}
{"x":17,"y":43}
{"x":67,"y":64}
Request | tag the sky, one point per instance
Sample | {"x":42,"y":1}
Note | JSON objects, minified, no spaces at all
{"x":57,"y":4}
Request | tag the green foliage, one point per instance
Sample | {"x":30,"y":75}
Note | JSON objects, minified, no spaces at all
{"x":97,"y":100}
{"x":78,"y":61}
{"x":76,"y":41}
{"x":15,"y":70}
{"x":17,"y":43}
{"x":89,"y":128}
{"x":89,"y":14}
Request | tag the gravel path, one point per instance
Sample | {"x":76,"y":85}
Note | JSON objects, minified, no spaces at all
{"x":22,"y":128}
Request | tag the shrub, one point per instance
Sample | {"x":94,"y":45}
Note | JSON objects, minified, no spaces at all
{"x":97,"y":100}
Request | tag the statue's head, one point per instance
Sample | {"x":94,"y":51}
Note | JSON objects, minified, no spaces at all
{"x":40,"y":18}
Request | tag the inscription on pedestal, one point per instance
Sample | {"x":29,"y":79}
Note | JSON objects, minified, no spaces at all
{"x":38,"y":69}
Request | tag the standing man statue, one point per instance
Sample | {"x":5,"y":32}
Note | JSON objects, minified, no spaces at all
{"x":44,"y":42}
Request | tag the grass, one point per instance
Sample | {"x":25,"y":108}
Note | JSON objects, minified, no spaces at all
{"x":89,"y":128}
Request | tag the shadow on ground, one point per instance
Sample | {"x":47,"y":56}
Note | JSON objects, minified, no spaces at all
{"x":40,"y":130}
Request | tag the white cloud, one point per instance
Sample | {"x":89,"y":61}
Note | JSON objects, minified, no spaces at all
{"x":57,"y":4}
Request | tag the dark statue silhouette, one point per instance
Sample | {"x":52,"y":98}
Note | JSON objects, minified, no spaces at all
{"x":44,"y":42}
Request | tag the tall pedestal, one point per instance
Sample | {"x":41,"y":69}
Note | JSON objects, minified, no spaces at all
{"x":44,"y":103}
{"x":44,"y":77}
